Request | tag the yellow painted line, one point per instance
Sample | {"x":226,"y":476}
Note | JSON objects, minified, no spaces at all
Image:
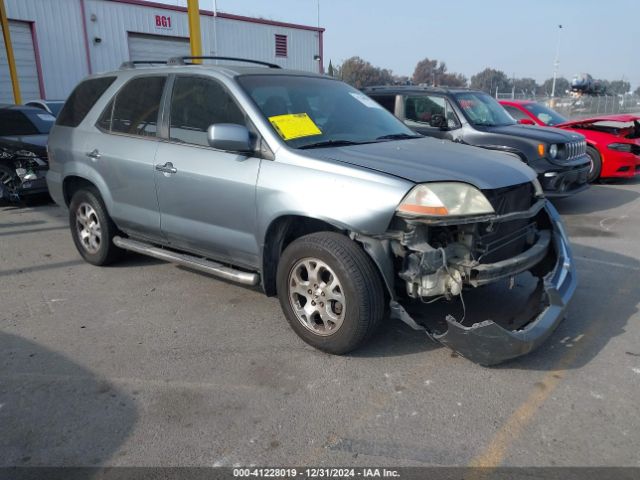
{"x":495,"y":452}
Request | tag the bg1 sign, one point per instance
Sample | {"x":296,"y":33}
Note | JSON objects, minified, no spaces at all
{"x":164,"y":22}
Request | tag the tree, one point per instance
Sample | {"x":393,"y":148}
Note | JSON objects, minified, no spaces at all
{"x":619,"y":87}
{"x":637,"y":92}
{"x":360,"y":73}
{"x":428,"y":71}
{"x":528,"y":86}
{"x":453,"y":80}
{"x":330,"y":71}
{"x":562,"y":86}
{"x":488,"y":80}
{"x":433,"y":72}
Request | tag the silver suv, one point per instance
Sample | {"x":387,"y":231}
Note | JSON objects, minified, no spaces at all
{"x":307,"y":187}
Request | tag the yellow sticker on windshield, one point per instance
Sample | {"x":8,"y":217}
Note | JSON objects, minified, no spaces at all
{"x":294,"y":125}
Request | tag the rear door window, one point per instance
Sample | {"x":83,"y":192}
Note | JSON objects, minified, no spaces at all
{"x":387,"y":101}
{"x":135,"y":108}
{"x":196,"y":104}
{"x":421,"y":109}
{"x":82,"y":100}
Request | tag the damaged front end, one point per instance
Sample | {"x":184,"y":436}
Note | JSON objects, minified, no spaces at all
{"x":455,"y":275}
{"x":22,"y":172}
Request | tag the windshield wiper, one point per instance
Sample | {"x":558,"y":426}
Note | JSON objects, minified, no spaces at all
{"x":397,"y":136}
{"x":330,"y":143}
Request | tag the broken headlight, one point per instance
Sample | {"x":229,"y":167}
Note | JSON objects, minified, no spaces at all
{"x":444,"y":199}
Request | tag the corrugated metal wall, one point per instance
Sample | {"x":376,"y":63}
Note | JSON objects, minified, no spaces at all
{"x":114,"y":20}
{"x":58,"y":26}
{"x":24,"y":54}
{"x":61,"y":41}
{"x":240,"y":39}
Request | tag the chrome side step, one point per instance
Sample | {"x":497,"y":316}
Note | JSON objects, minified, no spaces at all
{"x":197,"y":263}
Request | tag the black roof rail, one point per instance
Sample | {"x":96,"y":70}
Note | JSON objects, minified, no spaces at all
{"x":133,"y":63}
{"x":181,"y":60}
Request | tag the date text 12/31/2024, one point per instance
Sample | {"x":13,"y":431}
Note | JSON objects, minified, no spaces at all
{"x":315,"y":473}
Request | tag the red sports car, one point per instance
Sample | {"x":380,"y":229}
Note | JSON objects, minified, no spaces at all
{"x":613,"y":141}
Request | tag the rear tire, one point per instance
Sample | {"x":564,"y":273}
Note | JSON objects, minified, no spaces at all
{"x":92,"y":229}
{"x":596,"y":164}
{"x":330,"y":292}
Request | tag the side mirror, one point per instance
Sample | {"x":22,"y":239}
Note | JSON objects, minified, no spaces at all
{"x":526,"y":121}
{"x":438,"y":121}
{"x":229,"y":136}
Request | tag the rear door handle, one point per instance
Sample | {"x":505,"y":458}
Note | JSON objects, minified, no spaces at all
{"x":95,"y":154}
{"x":166,"y":168}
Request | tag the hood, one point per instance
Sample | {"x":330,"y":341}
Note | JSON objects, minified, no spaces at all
{"x":432,"y":160}
{"x":35,"y":143}
{"x":546,"y":135}
{"x":603,"y":118}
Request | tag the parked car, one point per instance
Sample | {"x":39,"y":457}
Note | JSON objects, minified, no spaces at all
{"x":51,"y":106}
{"x":23,"y":152}
{"x":475,"y":118}
{"x":613,"y":141}
{"x":306,"y":186}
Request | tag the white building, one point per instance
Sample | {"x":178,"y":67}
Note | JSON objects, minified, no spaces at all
{"x":58,"y":42}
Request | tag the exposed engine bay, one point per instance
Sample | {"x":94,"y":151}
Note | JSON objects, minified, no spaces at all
{"x":440,"y":257}
{"x":20,"y":172}
{"x":480,"y":285}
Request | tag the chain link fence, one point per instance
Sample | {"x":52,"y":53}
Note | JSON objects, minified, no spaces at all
{"x":584,"y":106}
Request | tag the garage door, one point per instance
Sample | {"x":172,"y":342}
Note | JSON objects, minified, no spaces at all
{"x":157,"y":47}
{"x":25,"y":56}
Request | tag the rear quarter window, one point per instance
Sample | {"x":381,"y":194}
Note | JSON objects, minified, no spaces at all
{"x":82,"y":100}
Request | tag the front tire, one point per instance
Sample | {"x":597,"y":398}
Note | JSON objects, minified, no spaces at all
{"x":596,"y":164}
{"x":92,"y":229}
{"x":330,"y":292}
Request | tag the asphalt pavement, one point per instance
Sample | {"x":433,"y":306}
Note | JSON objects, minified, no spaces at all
{"x":148,"y":364}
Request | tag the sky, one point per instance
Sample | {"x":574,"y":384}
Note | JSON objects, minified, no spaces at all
{"x":517,"y":37}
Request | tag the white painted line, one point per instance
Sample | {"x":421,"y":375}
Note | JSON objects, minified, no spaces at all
{"x":611,"y":264}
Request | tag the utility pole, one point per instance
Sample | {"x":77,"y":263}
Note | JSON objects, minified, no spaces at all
{"x":13,"y":73}
{"x":555,"y":64}
{"x":195,"y":38}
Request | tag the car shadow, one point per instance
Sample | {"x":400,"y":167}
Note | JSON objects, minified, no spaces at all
{"x":55,"y":412}
{"x":606,"y":298}
{"x":598,"y":198}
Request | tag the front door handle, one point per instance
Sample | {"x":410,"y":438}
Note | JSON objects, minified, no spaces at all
{"x":94,"y":154}
{"x":166,"y":168}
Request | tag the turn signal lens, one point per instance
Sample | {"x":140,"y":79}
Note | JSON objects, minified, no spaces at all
{"x":541,"y":149}
{"x":444,"y":199}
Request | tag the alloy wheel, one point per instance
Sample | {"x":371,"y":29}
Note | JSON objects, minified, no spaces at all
{"x":316,"y":296}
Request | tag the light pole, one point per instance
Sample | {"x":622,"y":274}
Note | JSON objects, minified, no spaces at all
{"x":555,"y":64}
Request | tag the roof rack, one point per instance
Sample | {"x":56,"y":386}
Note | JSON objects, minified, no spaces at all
{"x":133,"y":63}
{"x":181,"y":60}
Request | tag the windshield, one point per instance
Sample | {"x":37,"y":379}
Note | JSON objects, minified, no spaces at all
{"x":545,"y":115}
{"x":310,"y":112}
{"x":481,"y":109}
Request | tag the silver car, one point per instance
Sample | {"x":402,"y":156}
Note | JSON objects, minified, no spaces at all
{"x":305,"y":186}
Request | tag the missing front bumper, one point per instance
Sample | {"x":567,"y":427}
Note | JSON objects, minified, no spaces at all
{"x":488,"y":343}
